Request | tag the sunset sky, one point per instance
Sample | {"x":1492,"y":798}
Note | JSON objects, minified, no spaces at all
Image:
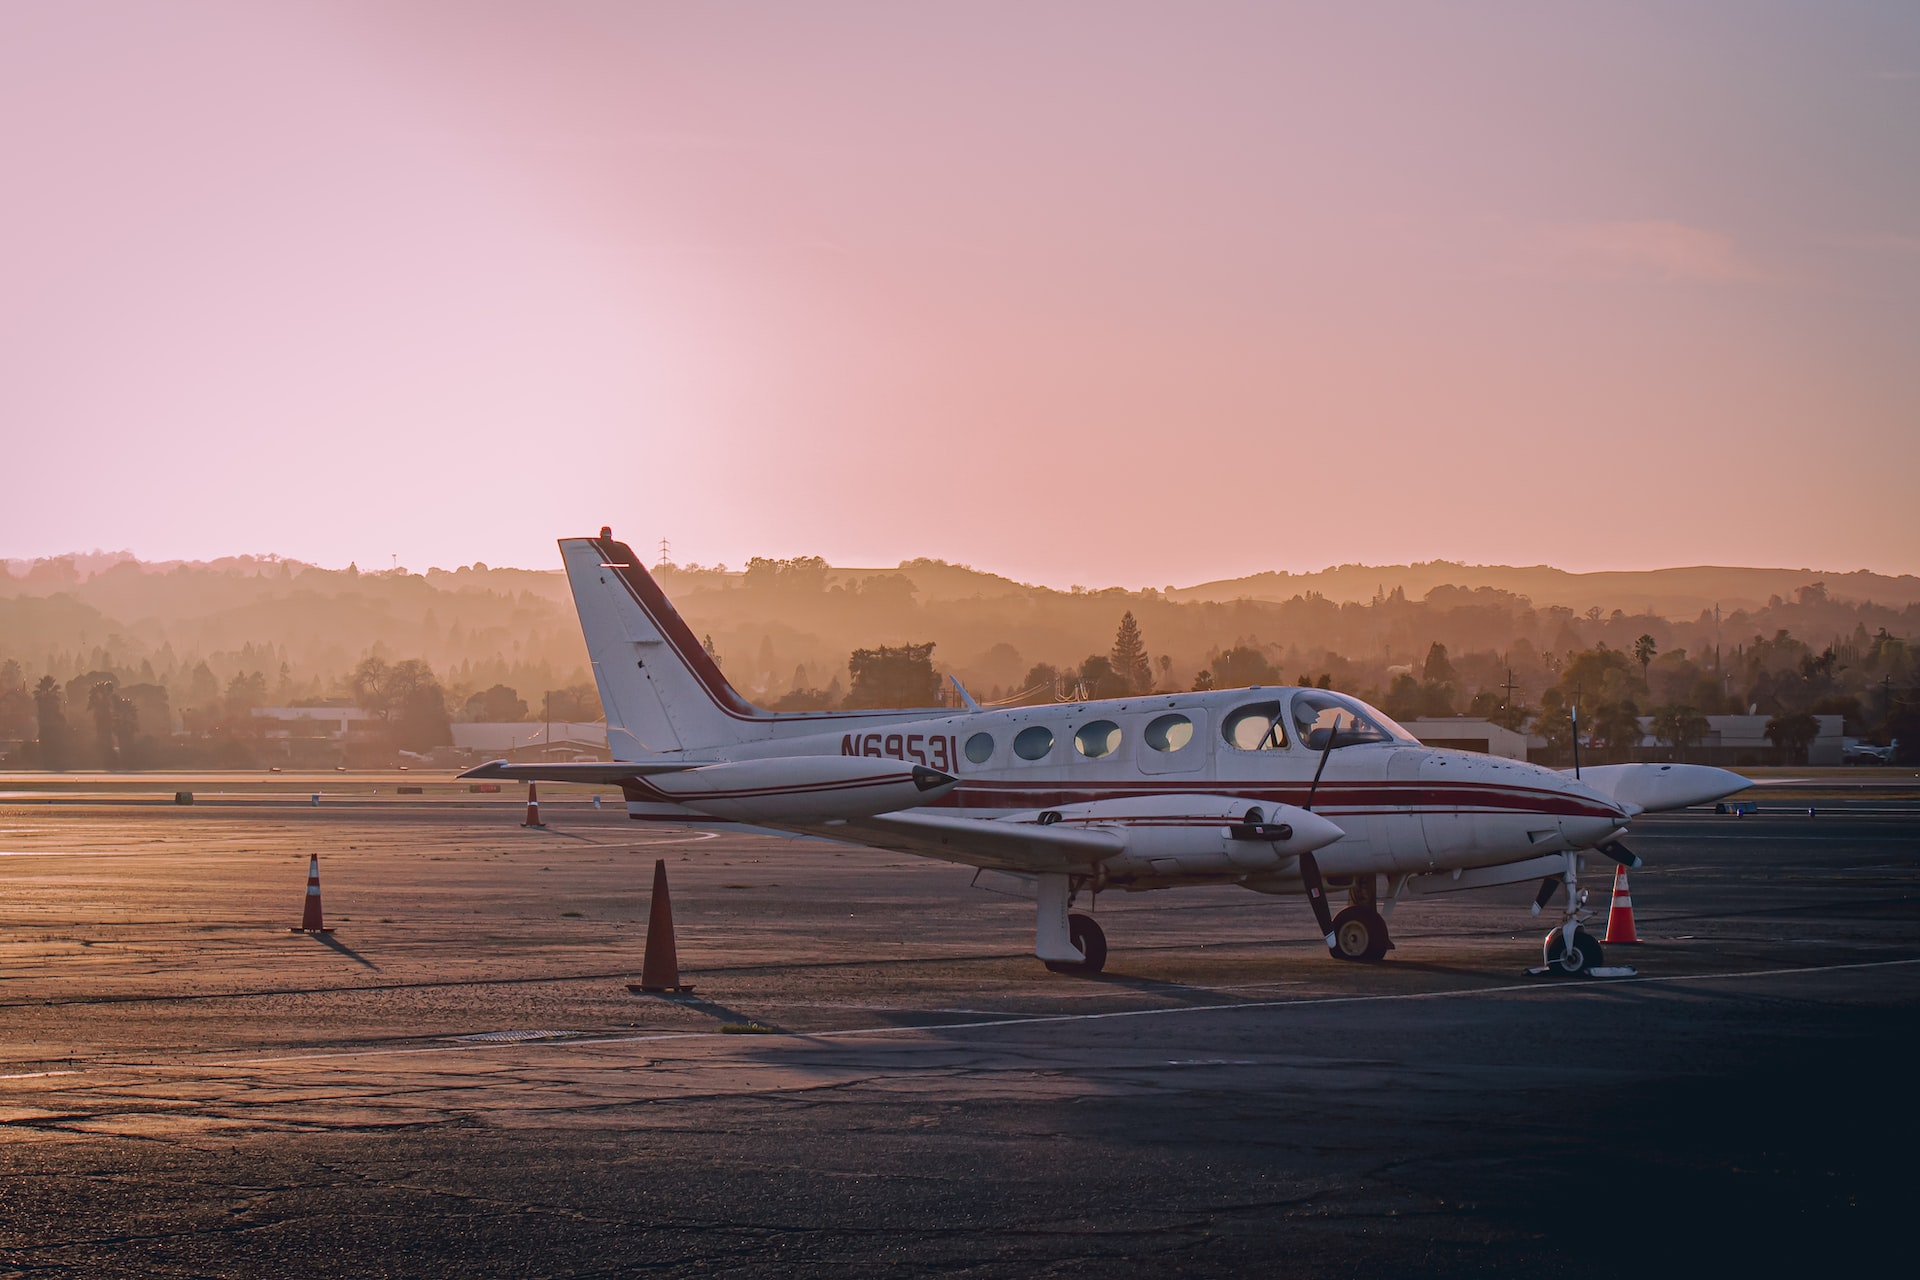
{"x":1097,"y":293}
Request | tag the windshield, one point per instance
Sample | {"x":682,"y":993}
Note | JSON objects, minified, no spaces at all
{"x":1324,"y":718}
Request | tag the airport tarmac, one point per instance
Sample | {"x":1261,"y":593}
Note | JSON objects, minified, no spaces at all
{"x":874,"y":1077}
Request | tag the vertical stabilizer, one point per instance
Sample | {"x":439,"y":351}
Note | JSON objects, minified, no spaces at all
{"x":661,"y":690}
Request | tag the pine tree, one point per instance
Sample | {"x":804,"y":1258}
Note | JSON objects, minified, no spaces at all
{"x":1129,"y":657}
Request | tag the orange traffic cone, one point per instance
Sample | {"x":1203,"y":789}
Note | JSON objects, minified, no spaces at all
{"x":660,"y":970}
{"x":533,"y":806}
{"x":1620,"y":915}
{"x":310,"y":918}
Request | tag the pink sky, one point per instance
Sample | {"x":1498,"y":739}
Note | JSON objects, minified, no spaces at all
{"x":1080,"y":293}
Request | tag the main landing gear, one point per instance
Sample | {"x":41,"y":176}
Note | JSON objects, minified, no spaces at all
{"x":1085,"y":934}
{"x":1359,"y":932}
{"x":1066,"y":943}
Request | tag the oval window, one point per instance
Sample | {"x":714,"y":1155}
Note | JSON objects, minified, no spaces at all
{"x":980,"y":748}
{"x":1254,"y":727}
{"x":1100,"y":738}
{"x":1035,"y":742}
{"x":1169,"y":732}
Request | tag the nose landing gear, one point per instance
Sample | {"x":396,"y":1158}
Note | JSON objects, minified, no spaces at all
{"x":1569,"y":950}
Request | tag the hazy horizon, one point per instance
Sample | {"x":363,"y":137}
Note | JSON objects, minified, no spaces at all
{"x":1085,"y":293}
{"x":18,"y":566}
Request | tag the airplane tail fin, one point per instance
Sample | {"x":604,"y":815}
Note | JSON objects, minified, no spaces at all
{"x":661,"y":689}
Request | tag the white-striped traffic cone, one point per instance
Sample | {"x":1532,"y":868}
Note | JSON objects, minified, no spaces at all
{"x":1620,"y":915}
{"x":310,"y":921}
{"x":533,"y":806}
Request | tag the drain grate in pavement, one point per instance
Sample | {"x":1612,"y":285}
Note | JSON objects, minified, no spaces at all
{"x":509,"y":1037}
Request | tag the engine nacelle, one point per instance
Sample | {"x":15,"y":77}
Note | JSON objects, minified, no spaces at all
{"x":1656,"y":788}
{"x":803,"y":789}
{"x":1196,"y":835}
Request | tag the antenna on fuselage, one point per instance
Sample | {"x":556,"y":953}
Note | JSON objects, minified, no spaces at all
{"x":1574,"y":712}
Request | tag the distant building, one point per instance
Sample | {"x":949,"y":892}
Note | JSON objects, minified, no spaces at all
{"x":1742,"y":740}
{"x":1472,"y":733}
{"x":535,"y":740}
{"x":331,"y":721}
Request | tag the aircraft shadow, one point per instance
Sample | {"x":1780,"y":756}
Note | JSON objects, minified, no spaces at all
{"x":334,"y":944}
{"x":723,"y":1014}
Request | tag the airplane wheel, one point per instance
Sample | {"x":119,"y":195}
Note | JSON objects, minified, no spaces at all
{"x":1359,"y":933}
{"x":1085,"y":933}
{"x":1586,"y":953}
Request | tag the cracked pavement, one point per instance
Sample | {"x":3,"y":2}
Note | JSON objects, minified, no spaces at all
{"x":187,"y":1089}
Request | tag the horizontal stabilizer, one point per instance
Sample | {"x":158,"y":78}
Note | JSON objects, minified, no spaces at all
{"x":584,"y":771}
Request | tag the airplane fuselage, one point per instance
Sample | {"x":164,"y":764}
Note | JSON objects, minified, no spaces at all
{"x":1405,"y":808}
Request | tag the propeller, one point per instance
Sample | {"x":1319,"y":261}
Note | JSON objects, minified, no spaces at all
{"x":1542,"y":898}
{"x":1333,"y":738}
{"x":1317,"y":896}
{"x":1620,"y":854}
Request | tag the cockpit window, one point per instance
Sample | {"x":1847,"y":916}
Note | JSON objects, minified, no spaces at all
{"x":1321,"y":716}
{"x":1254,"y":727}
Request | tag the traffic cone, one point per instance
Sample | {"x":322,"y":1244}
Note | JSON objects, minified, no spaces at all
{"x":533,"y":806}
{"x":660,"y":969}
{"x":1620,"y":915}
{"x":310,"y":918}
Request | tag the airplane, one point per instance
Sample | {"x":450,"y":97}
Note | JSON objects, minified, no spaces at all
{"x":1277,"y":790}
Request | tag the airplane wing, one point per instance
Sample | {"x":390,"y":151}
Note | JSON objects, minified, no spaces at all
{"x":587,"y":771}
{"x":979,"y":842}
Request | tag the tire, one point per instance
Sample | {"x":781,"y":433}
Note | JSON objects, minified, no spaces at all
{"x":1085,"y":933}
{"x":1586,"y":952}
{"x":1359,"y":933}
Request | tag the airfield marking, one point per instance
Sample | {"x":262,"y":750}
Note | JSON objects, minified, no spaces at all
{"x":1014,"y":1020}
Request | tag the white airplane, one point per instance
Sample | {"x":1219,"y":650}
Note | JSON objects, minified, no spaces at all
{"x":1278,"y":790}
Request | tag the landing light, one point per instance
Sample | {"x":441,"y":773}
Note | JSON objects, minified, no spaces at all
{"x":614,"y":564}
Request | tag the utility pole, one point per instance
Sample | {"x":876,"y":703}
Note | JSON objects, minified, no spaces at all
{"x":664,"y":557}
{"x":1509,"y":701}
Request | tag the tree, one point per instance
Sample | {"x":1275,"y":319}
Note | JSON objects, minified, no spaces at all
{"x":368,"y":684}
{"x":1039,"y":685}
{"x":1405,"y":699}
{"x":894,"y":676}
{"x":1643,"y":651}
{"x":16,"y":704}
{"x":418,"y":707}
{"x":1131,"y":665}
{"x":1617,"y":726}
{"x":1554,"y":723}
{"x":245,"y":692}
{"x":577,"y":703}
{"x":1680,"y":726}
{"x":495,"y":705}
{"x":1793,"y":734}
{"x":1099,"y":679}
{"x":1203,"y":681}
{"x":50,"y":711}
{"x":1241,"y":666}
{"x":100,"y":706}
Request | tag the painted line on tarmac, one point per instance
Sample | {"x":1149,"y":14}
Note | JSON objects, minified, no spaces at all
{"x":1017,"y":1020}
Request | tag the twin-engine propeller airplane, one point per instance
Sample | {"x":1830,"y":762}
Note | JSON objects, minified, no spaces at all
{"x":1277,"y":790}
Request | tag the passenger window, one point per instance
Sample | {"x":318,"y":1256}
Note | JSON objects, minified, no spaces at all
{"x":1102,"y":737}
{"x":1254,"y":727}
{"x":1169,"y":732}
{"x":1035,"y":742}
{"x":980,"y":748}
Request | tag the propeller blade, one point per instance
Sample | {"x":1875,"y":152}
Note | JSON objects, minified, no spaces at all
{"x":1317,"y":896}
{"x":1620,"y":854}
{"x":1545,"y":895}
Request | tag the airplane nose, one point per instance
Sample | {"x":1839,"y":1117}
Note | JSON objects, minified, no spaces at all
{"x":1310,"y":830}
